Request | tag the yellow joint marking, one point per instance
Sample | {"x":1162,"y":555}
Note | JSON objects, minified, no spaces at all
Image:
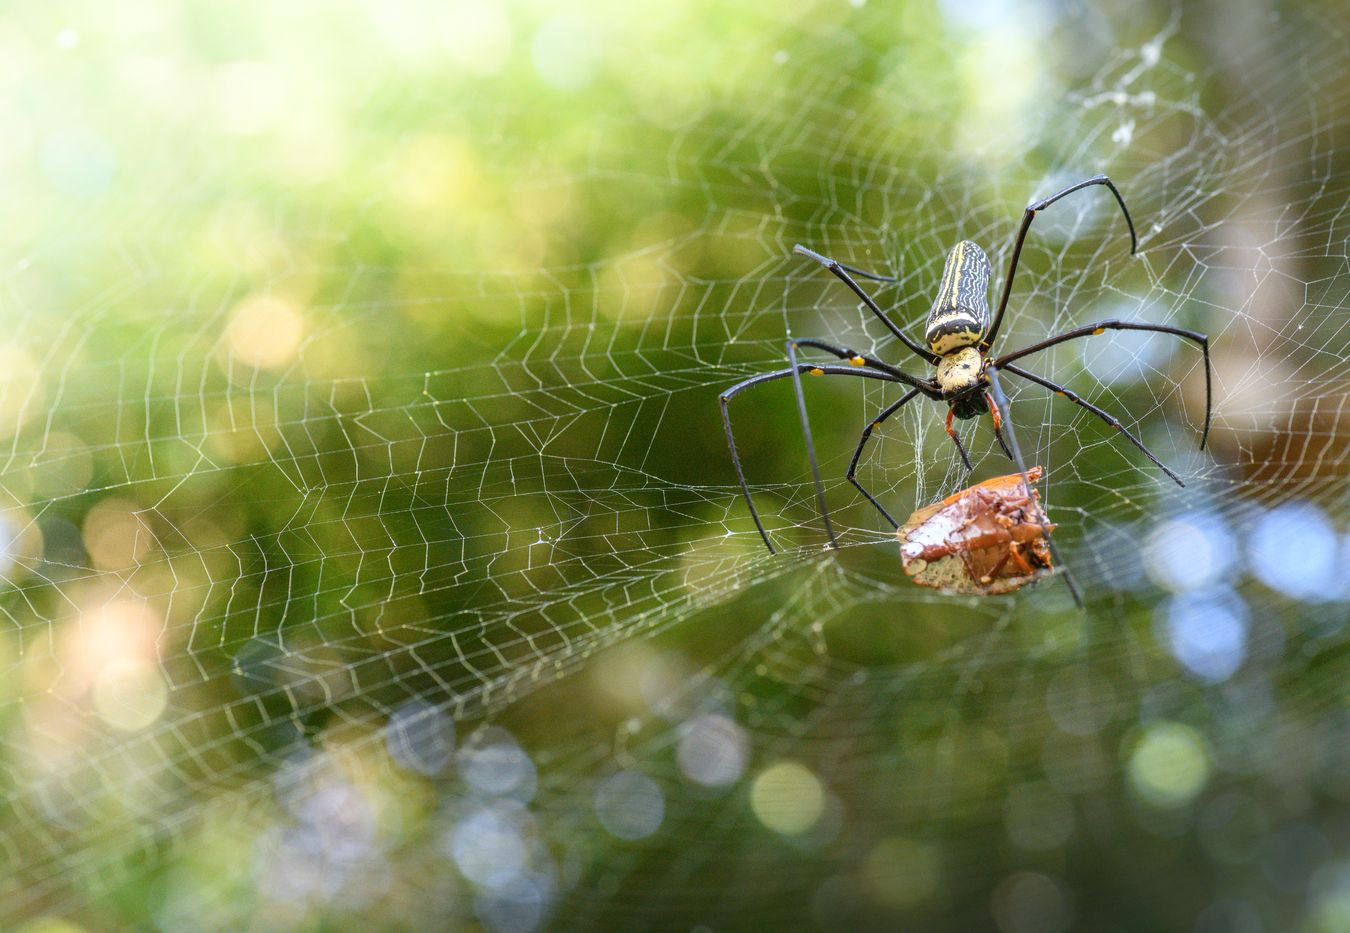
{"x":817,"y":371}
{"x":858,"y":361}
{"x":1099,"y":330}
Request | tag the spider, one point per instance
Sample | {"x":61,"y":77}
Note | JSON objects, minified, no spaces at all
{"x":959,"y":337}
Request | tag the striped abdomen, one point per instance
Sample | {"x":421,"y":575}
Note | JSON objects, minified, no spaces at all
{"x":961,"y":312}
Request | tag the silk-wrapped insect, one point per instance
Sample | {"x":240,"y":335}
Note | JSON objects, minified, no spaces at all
{"x":990,"y":538}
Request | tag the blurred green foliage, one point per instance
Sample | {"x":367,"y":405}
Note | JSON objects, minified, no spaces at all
{"x":363,"y":354}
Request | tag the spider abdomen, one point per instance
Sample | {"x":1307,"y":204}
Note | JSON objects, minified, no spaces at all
{"x":960,"y":314}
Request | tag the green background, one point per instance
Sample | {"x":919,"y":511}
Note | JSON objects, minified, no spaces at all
{"x":365,"y":355}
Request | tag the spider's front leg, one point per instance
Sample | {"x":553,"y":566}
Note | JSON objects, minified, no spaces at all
{"x":841,"y":271}
{"x":865,"y":363}
{"x":889,"y":374}
{"x":1028,"y":216}
{"x":993,"y":411}
{"x":956,"y":439}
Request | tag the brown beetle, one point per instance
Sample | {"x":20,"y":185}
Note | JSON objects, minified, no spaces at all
{"x":987,"y":539}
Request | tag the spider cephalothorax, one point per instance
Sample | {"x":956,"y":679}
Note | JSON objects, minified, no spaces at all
{"x":959,"y":371}
{"x":959,"y":336}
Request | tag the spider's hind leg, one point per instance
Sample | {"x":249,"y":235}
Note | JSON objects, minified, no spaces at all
{"x":1106,"y":416}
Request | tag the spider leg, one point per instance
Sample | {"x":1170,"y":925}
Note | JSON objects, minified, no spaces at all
{"x":854,"y":359}
{"x":810,"y":443}
{"x":862,"y":442}
{"x":858,"y":359}
{"x":1027,"y":217}
{"x":867,"y":299}
{"x":956,"y":439}
{"x":728,"y":394}
{"x":1000,"y":401}
{"x":998,"y":424}
{"x":1105,"y":416}
{"x":998,"y":436}
{"x":867,"y":275}
{"x":1091,"y":330}
{"x":994,"y":412}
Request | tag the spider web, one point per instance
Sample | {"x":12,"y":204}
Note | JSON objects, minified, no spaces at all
{"x":354,"y":587}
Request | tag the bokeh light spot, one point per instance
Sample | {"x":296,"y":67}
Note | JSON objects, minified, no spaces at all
{"x":901,"y":872}
{"x":114,"y":535}
{"x":1079,"y":702}
{"x":787,"y":798}
{"x":1207,"y":631}
{"x":489,"y":845}
{"x":265,"y":331}
{"x":1190,"y":551}
{"x":1037,"y":817}
{"x":478,"y":37}
{"x":10,"y":530}
{"x":1293,"y":549}
{"x":1293,"y":854}
{"x":130,"y":694}
{"x":517,"y":907}
{"x":21,"y":543}
{"x":492,"y":762}
{"x":1330,"y":897}
{"x":1169,"y":765}
{"x":1030,"y":902}
{"x":713,"y":750}
{"x":111,"y":645}
{"x":21,"y":390}
{"x":630,"y":805}
{"x":566,"y":52}
{"x":421,"y":737}
{"x":78,"y":161}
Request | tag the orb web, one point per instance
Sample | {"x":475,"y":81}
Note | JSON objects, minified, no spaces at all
{"x":343,"y":585}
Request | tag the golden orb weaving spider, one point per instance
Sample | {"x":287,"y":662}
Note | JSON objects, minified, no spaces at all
{"x":960,"y":337}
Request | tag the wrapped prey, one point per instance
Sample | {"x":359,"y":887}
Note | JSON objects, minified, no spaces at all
{"x":984,"y":540}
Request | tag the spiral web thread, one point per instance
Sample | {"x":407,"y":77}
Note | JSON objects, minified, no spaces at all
{"x":469,"y":543}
